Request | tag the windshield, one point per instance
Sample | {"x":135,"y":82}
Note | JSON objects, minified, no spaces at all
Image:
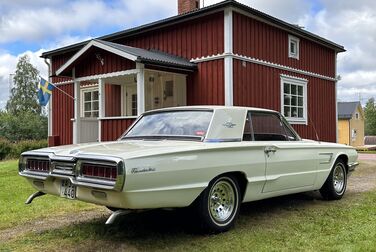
{"x":172,"y":124}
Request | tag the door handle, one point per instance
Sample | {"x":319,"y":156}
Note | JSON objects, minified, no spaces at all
{"x":270,"y":149}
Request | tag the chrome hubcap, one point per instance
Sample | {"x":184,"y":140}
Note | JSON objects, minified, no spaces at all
{"x":221,"y":201}
{"x":339,"y":178}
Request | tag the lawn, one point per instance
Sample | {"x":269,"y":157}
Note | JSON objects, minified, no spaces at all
{"x":302,"y":222}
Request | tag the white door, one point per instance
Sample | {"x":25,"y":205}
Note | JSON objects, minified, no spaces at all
{"x":290,"y":164}
{"x":131,"y":100}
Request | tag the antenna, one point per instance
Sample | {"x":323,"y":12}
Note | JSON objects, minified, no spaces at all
{"x":313,"y":126}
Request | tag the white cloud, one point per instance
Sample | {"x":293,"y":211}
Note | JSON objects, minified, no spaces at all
{"x":8,"y":64}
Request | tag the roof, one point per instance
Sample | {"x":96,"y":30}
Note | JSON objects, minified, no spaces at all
{"x":132,"y":53}
{"x":347,"y":109}
{"x":202,"y":12}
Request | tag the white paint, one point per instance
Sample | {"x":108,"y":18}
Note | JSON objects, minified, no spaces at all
{"x":108,"y":75}
{"x":98,"y":44}
{"x":299,"y":82}
{"x":336,"y":94}
{"x":102,"y":106}
{"x":140,"y":88}
{"x":77,"y":114}
{"x":296,"y":41}
{"x":264,"y":63}
{"x":228,"y":57}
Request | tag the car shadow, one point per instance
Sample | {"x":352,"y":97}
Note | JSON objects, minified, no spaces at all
{"x":166,"y":228}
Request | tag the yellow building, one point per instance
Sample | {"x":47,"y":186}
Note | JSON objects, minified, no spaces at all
{"x":350,"y":123}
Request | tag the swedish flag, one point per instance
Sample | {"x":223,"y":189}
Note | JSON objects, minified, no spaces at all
{"x":44,"y":92}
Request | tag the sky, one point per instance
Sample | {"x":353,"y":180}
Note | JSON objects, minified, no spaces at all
{"x":32,"y":27}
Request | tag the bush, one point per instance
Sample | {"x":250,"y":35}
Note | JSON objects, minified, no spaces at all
{"x":5,"y":148}
{"x":27,"y":145}
{"x":14,"y":150}
{"x":23,"y":126}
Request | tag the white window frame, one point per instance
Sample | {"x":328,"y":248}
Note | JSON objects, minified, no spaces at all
{"x":293,"y":39}
{"x":86,"y":90}
{"x":298,"y":82}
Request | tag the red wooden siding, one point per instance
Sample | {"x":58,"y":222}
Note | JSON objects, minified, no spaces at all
{"x":191,"y":39}
{"x":57,"y":62}
{"x":112,"y":63}
{"x":256,"y":39}
{"x":112,"y":100}
{"x":112,"y":129}
{"x":206,"y":85}
{"x":63,"y":111}
{"x":260,"y":86}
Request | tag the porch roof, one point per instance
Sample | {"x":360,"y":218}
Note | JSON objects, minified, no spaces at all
{"x":139,"y":55}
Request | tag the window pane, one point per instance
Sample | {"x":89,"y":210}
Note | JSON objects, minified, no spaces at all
{"x":294,"y":100}
{"x":87,"y":106}
{"x":267,"y":127}
{"x":95,"y":114}
{"x":95,"y":95}
{"x":87,"y":114}
{"x":292,"y":47}
{"x":294,"y":112}
{"x":287,"y":112}
{"x":300,"y":90}
{"x":287,"y":100}
{"x":300,"y":112}
{"x":300,"y":101}
{"x":87,"y":96}
{"x":293,"y":89}
{"x":286,"y":88}
{"x":96,"y":105}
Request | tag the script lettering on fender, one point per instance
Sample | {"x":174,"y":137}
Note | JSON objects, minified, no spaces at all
{"x":142,"y":170}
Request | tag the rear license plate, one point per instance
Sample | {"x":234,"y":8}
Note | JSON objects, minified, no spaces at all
{"x":67,"y":190}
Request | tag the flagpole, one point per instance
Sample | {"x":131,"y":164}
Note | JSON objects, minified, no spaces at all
{"x":60,"y":90}
{"x":63,"y":91}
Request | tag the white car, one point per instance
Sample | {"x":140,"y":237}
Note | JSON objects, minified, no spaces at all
{"x":209,"y":158}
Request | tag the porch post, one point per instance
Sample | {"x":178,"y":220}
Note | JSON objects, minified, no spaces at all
{"x":140,"y":88}
{"x":77,"y":110}
{"x":102,"y":108}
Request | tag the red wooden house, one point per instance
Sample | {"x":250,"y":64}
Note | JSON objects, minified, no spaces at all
{"x":224,"y":54}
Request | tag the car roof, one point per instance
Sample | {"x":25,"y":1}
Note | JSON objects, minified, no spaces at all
{"x":202,"y":107}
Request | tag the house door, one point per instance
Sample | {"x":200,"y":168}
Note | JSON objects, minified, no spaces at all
{"x":131,"y":100}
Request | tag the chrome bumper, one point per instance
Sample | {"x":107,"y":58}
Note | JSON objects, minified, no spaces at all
{"x":352,"y":166}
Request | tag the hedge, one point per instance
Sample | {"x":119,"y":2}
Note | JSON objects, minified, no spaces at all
{"x":13,"y":150}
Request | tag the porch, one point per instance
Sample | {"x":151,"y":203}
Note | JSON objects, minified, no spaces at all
{"x":106,"y":104}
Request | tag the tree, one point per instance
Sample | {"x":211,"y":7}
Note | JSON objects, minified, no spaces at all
{"x":24,"y":92}
{"x":370,"y":117}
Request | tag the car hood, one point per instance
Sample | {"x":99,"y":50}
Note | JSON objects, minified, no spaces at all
{"x":121,"y":149}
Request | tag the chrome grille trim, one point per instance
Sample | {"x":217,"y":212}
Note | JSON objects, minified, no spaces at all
{"x":63,"y":168}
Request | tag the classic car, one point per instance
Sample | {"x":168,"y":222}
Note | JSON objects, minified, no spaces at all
{"x":209,"y":158}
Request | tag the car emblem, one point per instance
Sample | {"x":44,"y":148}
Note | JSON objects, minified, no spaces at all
{"x":142,"y":170}
{"x":229,"y":125}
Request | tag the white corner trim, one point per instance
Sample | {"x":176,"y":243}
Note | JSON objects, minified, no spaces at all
{"x":228,"y":57}
{"x":77,"y":112}
{"x":99,"y":45}
{"x":295,"y":81}
{"x":264,"y":63}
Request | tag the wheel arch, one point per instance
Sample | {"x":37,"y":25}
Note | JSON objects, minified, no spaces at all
{"x":345,"y":159}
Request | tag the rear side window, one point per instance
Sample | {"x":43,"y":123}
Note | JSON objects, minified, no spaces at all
{"x":269,"y":127}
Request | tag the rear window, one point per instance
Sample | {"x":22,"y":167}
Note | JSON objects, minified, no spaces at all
{"x":172,"y":124}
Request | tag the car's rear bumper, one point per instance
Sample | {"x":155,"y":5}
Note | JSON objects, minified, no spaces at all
{"x":352,"y":166}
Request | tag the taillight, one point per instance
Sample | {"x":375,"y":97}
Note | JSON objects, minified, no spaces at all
{"x":37,"y":165}
{"x":99,"y":171}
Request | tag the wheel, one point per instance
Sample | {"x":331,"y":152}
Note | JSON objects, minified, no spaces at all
{"x":218,"y":206}
{"x":335,"y":185}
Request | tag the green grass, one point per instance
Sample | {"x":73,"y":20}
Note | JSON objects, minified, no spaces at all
{"x":14,"y":190}
{"x":301,"y":222}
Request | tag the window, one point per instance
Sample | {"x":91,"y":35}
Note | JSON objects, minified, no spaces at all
{"x":90,"y":103}
{"x":270,"y":127}
{"x":293,"y":47}
{"x":294,"y":99}
{"x":356,"y":116}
